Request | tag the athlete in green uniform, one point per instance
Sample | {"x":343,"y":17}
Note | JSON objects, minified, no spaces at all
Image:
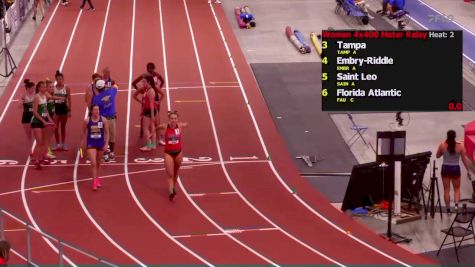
{"x":27,"y":106}
{"x":62,"y":111}
{"x":39,"y":122}
{"x":50,"y":108}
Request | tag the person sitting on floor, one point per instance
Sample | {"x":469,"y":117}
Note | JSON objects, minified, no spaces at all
{"x":392,"y":6}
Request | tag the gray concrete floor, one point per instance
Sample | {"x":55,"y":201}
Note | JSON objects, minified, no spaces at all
{"x":19,"y":44}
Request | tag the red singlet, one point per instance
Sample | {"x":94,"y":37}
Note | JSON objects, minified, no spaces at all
{"x":172,"y":139}
{"x":146,"y":103}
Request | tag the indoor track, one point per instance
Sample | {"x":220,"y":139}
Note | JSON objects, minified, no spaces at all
{"x":240,"y":201}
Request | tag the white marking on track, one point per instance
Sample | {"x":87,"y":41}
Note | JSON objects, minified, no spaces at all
{"x":271,"y":164}
{"x":227,"y":231}
{"x":15,"y":230}
{"x":25,"y":169}
{"x":115,"y":175}
{"x":127,"y":133}
{"x":243,"y":158}
{"x":219,"y":152}
{"x":52,"y":191}
{"x":211,"y":194}
{"x":76,"y":189}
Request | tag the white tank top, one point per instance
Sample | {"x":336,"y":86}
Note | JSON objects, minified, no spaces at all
{"x":43,"y":100}
{"x":61,"y":93}
{"x":28,"y":98}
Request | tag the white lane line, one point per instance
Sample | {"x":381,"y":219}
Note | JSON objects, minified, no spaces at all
{"x":75,"y":172}
{"x":271,"y":164}
{"x":202,"y":212}
{"x":228,"y":231}
{"x":108,"y":176}
{"x":224,"y":168}
{"x":126,"y":158}
{"x":25,"y":170}
{"x":211,"y":194}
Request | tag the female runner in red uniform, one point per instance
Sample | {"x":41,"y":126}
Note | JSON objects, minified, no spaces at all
{"x":159,"y":94}
{"x":173,"y":150}
{"x":149,"y":111}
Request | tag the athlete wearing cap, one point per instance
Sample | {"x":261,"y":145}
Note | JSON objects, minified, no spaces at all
{"x":105,"y":99}
{"x":91,"y":90}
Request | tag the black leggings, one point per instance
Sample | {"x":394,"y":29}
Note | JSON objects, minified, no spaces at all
{"x":84,"y":2}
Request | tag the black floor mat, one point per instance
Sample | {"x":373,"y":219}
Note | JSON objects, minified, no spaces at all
{"x":293,"y":95}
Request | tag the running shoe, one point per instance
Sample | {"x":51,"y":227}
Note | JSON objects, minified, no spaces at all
{"x":161,"y":142}
{"x":98,"y":182}
{"x":56,"y":147}
{"x":50,"y":155}
{"x":106,"y":158}
{"x":111,"y":155}
{"x":145,"y":148}
{"x":94,"y":184}
{"x":37,"y":165}
{"x":91,"y":9}
{"x":65,"y":147}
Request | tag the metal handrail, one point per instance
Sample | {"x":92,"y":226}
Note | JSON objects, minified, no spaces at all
{"x":61,"y":243}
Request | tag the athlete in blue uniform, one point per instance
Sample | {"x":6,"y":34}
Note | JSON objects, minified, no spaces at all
{"x":105,"y":99}
{"x":97,"y":136}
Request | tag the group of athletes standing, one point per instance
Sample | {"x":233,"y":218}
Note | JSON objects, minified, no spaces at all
{"x":47,"y":107}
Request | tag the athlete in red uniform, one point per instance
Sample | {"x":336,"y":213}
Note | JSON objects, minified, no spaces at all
{"x":173,"y":150}
{"x":159,"y":94}
{"x":149,"y":112}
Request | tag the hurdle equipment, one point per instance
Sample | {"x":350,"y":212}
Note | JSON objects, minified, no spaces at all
{"x":301,"y":39}
{"x":294,"y":40}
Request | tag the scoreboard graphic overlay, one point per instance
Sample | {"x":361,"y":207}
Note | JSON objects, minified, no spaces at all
{"x":392,"y":71}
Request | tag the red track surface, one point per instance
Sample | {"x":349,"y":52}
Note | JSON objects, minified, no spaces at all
{"x":257,"y":220}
